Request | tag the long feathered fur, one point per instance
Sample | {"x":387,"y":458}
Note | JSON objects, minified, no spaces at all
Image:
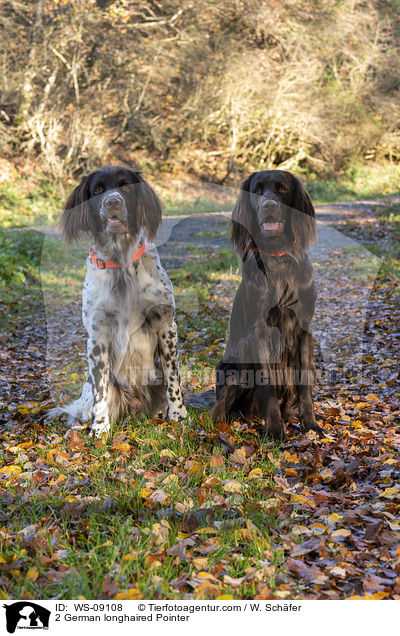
{"x":128,"y":311}
{"x":270,"y":340}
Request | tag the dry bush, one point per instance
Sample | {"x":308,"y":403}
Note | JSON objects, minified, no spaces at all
{"x":211,"y":88}
{"x":306,"y":93}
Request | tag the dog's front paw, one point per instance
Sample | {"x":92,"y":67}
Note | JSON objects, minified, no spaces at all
{"x":177,"y":413}
{"x":308,"y":423}
{"x":275,"y":429}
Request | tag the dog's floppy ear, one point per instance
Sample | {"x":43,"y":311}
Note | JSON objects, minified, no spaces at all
{"x":149,"y":209}
{"x":76,"y":217}
{"x":303,"y":222}
{"x":240,"y":235}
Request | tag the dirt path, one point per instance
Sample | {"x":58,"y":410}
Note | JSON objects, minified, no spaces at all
{"x":185,"y":235}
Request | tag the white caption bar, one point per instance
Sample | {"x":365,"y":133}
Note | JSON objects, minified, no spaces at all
{"x":173,"y":618}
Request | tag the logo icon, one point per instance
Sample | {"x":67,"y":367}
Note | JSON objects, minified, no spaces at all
{"x":26,"y":615}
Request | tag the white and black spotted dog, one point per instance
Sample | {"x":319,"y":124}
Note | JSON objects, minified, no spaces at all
{"x":128,"y":303}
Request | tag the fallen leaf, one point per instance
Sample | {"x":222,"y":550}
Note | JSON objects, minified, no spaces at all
{"x":306,"y":547}
{"x":232,"y":486}
{"x":238,"y":457}
{"x":216,"y":461}
{"x":32,"y":574}
{"x":132,"y":594}
{"x":159,"y":496}
{"x":389,"y":493}
{"x":75,"y":440}
{"x":341,"y":532}
{"x":11,"y":470}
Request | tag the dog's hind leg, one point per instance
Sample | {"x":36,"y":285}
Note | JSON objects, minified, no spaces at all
{"x":269,"y":406}
{"x":80,"y":411}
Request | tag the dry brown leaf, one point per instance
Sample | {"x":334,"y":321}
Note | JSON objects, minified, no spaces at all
{"x":75,"y":440}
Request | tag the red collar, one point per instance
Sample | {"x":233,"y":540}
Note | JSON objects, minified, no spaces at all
{"x":109,"y":264}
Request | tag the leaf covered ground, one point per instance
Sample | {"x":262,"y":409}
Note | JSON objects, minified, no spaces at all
{"x":190,"y":509}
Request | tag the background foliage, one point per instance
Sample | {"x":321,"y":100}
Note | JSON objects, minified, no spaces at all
{"x":202,"y":87}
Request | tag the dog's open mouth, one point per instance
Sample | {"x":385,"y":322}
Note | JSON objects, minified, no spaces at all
{"x":114,"y":224}
{"x":272,"y":226}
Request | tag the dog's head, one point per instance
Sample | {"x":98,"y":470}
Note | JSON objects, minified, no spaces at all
{"x":273,"y":211}
{"x":113,"y":200}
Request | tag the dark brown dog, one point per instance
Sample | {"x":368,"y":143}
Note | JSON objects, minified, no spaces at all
{"x":267,"y":370}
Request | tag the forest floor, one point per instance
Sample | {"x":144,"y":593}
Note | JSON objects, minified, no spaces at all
{"x":190,"y":509}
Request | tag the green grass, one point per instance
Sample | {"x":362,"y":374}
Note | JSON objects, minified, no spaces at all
{"x":29,"y":259}
{"x":361,"y":181}
{"x":27,"y":202}
{"x":39,"y":202}
{"x":198,"y":205}
{"x":100,"y":524}
{"x":19,"y":260}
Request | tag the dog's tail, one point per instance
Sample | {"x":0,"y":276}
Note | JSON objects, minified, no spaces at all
{"x":124,"y":399}
{"x":149,"y":399}
{"x":79,"y":411}
{"x":203,"y":401}
{"x":228,"y":398}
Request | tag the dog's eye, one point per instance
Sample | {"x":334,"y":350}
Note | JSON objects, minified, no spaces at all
{"x":98,"y":189}
{"x":258,"y":190}
{"x":281,"y":188}
{"x":124,"y":186}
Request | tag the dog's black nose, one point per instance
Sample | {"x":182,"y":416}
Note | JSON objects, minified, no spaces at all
{"x":269,"y":205}
{"x":113,"y":203}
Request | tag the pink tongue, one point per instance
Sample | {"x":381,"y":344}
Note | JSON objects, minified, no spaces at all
{"x":114,"y":222}
{"x":270,"y":227}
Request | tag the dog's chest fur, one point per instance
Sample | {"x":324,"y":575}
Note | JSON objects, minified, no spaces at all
{"x":124,"y":304}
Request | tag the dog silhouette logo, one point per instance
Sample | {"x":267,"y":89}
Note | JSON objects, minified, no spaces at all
{"x":26,"y":615}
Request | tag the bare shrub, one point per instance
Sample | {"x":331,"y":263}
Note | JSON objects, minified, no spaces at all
{"x":212,"y":88}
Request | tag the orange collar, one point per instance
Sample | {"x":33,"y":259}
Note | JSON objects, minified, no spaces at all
{"x":281,"y":253}
{"x":109,"y":264}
